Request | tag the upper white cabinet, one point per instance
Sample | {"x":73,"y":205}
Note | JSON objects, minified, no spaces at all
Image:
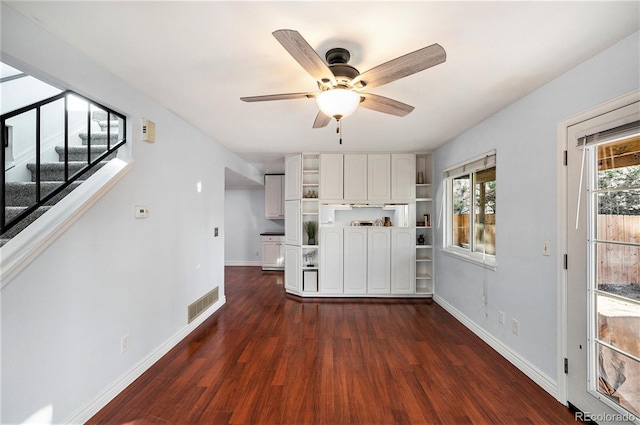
{"x":331,"y":176}
{"x":379,"y":177}
{"x":403,"y":176}
{"x":274,"y":196}
{"x":293,"y":177}
{"x":355,"y":176}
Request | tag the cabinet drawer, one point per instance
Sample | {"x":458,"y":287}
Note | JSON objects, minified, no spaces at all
{"x":273,"y":239}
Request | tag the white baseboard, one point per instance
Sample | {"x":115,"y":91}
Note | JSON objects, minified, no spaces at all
{"x":86,"y":412}
{"x":243,"y":263}
{"x":535,"y":374}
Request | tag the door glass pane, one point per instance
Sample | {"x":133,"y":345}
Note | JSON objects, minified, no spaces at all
{"x":616,"y":274}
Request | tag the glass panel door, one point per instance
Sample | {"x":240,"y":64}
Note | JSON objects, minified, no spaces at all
{"x":615,"y":274}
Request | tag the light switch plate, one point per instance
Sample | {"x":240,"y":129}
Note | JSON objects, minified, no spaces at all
{"x":141,"y":211}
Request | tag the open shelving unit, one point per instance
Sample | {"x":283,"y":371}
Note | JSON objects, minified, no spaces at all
{"x":309,"y":212}
{"x":424,"y":221}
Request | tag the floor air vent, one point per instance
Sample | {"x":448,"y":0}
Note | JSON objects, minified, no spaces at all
{"x":203,"y":303}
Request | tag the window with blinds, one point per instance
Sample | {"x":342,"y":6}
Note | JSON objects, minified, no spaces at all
{"x":471,"y":208}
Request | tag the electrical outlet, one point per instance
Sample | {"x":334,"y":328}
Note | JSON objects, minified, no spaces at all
{"x":501,"y":317}
{"x":515,"y":326}
{"x":124,"y":343}
{"x":546,"y":248}
{"x":257,"y":253}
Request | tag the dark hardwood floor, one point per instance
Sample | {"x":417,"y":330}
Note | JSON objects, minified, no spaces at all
{"x":269,"y":358}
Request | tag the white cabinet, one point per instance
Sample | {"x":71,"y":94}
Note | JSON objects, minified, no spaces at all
{"x":403,"y":262}
{"x":274,"y":196}
{"x":355,"y":176}
{"x":272,"y":252}
{"x":331,"y":260}
{"x":293,"y":177}
{"x":379,"y":177}
{"x":292,"y":225}
{"x":292,"y":268}
{"x":379,"y":260}
{"x":403,"y":176}
{"x":331,"y":176}
{"x":355,"y":260}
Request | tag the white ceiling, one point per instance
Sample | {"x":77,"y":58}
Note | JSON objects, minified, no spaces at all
{"x":199,"y":58}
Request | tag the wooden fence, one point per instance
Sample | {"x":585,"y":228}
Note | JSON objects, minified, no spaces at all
{"x":461,"y":231}
{"x":618,"y":264}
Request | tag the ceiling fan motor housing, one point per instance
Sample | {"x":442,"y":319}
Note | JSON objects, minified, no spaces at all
{"x":337,"y":59}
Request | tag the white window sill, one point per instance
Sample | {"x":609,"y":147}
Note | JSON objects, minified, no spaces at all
{"x":488,"y":262}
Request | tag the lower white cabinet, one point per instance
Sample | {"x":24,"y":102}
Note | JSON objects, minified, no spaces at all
{"x":355,"y":260}
{"x":272,"y":252}
{"x":403,"y":260}
{"x":292,"y":268}
{"x":379,"y":260}
{"x":331,"y":260}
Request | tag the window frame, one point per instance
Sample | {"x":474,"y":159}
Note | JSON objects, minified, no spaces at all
{"x":470,"y":168}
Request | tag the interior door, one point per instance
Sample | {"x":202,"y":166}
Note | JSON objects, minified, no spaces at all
{"x":603,"y":292}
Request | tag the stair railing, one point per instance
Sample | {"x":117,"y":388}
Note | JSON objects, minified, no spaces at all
{"x":40,"y":200}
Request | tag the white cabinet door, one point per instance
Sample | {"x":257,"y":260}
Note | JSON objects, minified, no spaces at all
{"x":331,"y":176}
{"x":355,"y":177}
{"x":403,"y":260}
{"x":292,"y":268}
{"x":379,"y":260}
{"x":379,"y":177}
{"x":331,"y":260}
{"x":271,"y":255}
{"x":293,"y":177}
{"x":273,"y":196}
{"x":292,"y":224}
{"x":355,"y":260}
{"x":403,"y":176}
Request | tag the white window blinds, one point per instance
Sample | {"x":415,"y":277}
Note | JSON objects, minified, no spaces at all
{"x":480,"y":163}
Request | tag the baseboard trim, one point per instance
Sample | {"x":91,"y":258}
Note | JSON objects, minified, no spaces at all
{"x":535,"y":374}
{"x":242,"y":263}
{"x":86,"y":412}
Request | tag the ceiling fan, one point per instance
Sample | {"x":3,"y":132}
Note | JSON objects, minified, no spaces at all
{"x":341,"y":84}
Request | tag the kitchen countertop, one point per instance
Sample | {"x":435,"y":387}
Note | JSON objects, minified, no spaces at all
{"x":272,"y":234}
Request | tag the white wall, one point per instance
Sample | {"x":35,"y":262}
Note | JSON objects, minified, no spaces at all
{"x":244,"y":212}
{"x":110,"y":274}
{"x":525,"y":284}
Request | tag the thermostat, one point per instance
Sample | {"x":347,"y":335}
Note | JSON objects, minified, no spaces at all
{"x":148,"y":131}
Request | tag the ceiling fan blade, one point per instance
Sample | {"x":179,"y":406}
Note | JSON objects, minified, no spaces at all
{"x":384,"y":104}
{"x":321,"y":120}
{"x":282,"y":96}
{"x":402,"y":66}
{"x":304,"y":54}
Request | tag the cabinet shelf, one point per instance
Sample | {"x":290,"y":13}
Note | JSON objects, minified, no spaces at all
{"x":423,"y":260}
{"x":423,"y":227}
{"x":424,"y":199}
{"x":420,"y":290}
{"x":423,"y":276}
{"x":423,"y":184}
{"x":424,"y":246}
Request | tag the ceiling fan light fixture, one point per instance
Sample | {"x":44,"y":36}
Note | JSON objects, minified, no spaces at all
{"x":338,"y":103}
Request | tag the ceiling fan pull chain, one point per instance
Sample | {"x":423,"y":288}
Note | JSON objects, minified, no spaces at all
{"x":339,"y":129}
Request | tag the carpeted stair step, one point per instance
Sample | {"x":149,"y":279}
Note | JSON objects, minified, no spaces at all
{"x":23,"y":194}
{"x":99,"y":138}
{"x":54,"y":171}
{"x":12,"y":212}
{"x":79,"y":153}
{"x":114,"y":124}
